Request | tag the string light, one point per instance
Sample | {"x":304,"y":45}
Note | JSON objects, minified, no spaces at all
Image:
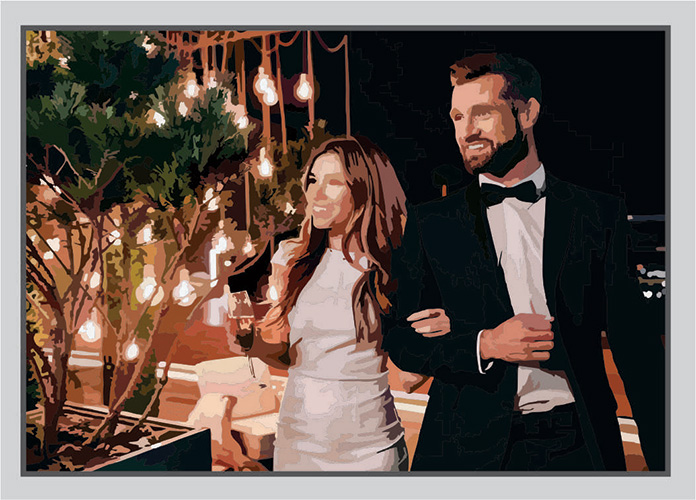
{"x":90,"y":331}
{"x":261,"y":83}
{"x":184,"y":293}
{"x":96,"y":279}
{"x":149,"y":287}
{"x":132,"y":351}
{"x":191,"y":89}
{"x":303,"y":89}
{"x":270,"y":97}
{"x":265,"y":167}
{"x":159,"y":119}
{"x":265,"y":88}
{"x":242,"y":122}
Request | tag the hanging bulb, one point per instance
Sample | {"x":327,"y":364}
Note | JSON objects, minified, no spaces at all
{"x":265,"y":167}
{"x":132,"y":351}
{"x":191,"y":89}
{"x":242,"y":122}
{"x":303,"y":89}
{"x":90,"y":331}
{"x":262,"y":81}
{"x":270,"y":97}
{"x":184,"y":293}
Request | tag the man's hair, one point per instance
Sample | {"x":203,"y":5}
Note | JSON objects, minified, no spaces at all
{"x":522,"y":79}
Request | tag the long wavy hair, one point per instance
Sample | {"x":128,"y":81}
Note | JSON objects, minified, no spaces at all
{"x":376,"y":226}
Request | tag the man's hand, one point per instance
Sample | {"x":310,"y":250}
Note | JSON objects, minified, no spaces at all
{"x":524,"y":337}
{"x":430,"y":322}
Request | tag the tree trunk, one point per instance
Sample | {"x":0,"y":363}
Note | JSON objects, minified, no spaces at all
{"x":52,"y":412}
{"x":56,"y":398}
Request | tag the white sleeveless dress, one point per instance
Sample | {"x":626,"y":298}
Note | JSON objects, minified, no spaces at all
{"x":337,"y":412}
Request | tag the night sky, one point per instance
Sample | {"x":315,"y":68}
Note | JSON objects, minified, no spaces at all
{"x":603,"y":107}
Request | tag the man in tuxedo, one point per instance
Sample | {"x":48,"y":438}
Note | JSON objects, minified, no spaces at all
{"x":519,"y":275}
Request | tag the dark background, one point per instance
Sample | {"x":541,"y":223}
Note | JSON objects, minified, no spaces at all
{"x":602,"y":125}
{"x":603,"y":106}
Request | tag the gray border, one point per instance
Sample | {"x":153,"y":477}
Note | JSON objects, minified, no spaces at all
{"x":678,"y":15}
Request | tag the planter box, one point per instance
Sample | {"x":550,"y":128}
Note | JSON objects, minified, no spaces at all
{"x":182,"y":449}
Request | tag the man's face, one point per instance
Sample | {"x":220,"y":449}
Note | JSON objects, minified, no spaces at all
{"x":485,"y":125}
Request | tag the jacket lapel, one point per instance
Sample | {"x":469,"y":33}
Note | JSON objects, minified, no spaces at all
{"x":559,"y":222}
{"x":476,"y":215}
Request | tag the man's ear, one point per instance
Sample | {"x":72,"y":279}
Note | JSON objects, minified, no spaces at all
{"x":529,"y":113}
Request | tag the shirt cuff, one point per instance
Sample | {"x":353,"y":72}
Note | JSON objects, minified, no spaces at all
{"x":481,"y":370}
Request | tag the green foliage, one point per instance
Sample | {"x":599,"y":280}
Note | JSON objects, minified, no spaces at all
{"x":145,"y":389}
{"x":115,"y":65}
{"x":181,"y":141}
{"x":83,"y":111}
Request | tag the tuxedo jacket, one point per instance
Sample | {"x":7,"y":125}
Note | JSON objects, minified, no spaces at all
{"x":447,"y":260}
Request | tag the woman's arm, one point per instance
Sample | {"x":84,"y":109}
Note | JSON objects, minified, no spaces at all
{"x":268,"y":341}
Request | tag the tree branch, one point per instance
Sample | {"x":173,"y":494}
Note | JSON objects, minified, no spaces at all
{"x":71,"y":256}
{"x":55,"y":254}
{"x":34,"y":253}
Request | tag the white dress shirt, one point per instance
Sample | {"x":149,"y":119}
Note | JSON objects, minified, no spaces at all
{"x":517,"y":228}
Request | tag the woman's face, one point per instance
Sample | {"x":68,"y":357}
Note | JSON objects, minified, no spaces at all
{"x":329,"y":200}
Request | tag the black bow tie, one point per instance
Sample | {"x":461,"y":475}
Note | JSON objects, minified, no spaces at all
{"x":492,"y":194}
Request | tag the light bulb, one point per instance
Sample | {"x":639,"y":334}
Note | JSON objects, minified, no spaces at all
{"x":191,"y":89}
{"x":242,"y":122}
{"x":89,"y":331}
{"x":303,"y":89}
{"x":159,"y":119}
{"x":221,"y":245}
{"x":132,"y":351}
{"x":304,"y":92}
{"x":265,"y":169}
{"x":261,"y":84}
{"x":148,"y":290}
{"x":183,"y":289}
{"x":270,"y":97}
{"x":54,"y":243}
{"x":96,"y":279}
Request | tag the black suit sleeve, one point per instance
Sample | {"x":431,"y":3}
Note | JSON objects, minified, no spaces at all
{"x":636,"y":345}
{"x":451,"y":357}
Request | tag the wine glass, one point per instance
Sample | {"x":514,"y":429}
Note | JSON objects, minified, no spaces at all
{"x":242,"y":312}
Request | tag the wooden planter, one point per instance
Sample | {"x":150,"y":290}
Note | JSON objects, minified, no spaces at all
{"x":187,"y":450}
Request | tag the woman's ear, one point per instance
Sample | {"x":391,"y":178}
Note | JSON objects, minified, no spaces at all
{"x":530,"y":113}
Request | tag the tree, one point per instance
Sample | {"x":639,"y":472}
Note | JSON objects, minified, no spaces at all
{"x":130,"y":166}
{"x":104,"y":170}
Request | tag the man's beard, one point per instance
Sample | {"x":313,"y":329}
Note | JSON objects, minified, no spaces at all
{"x":503,"y":158}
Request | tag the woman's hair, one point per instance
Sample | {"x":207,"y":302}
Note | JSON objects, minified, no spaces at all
{"x":376,"y":226}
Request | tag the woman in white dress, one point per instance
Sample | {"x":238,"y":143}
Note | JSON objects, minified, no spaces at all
{"x":337,"y":412}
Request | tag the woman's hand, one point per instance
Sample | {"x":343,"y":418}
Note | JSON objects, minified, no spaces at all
{"x":430,"y":322}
